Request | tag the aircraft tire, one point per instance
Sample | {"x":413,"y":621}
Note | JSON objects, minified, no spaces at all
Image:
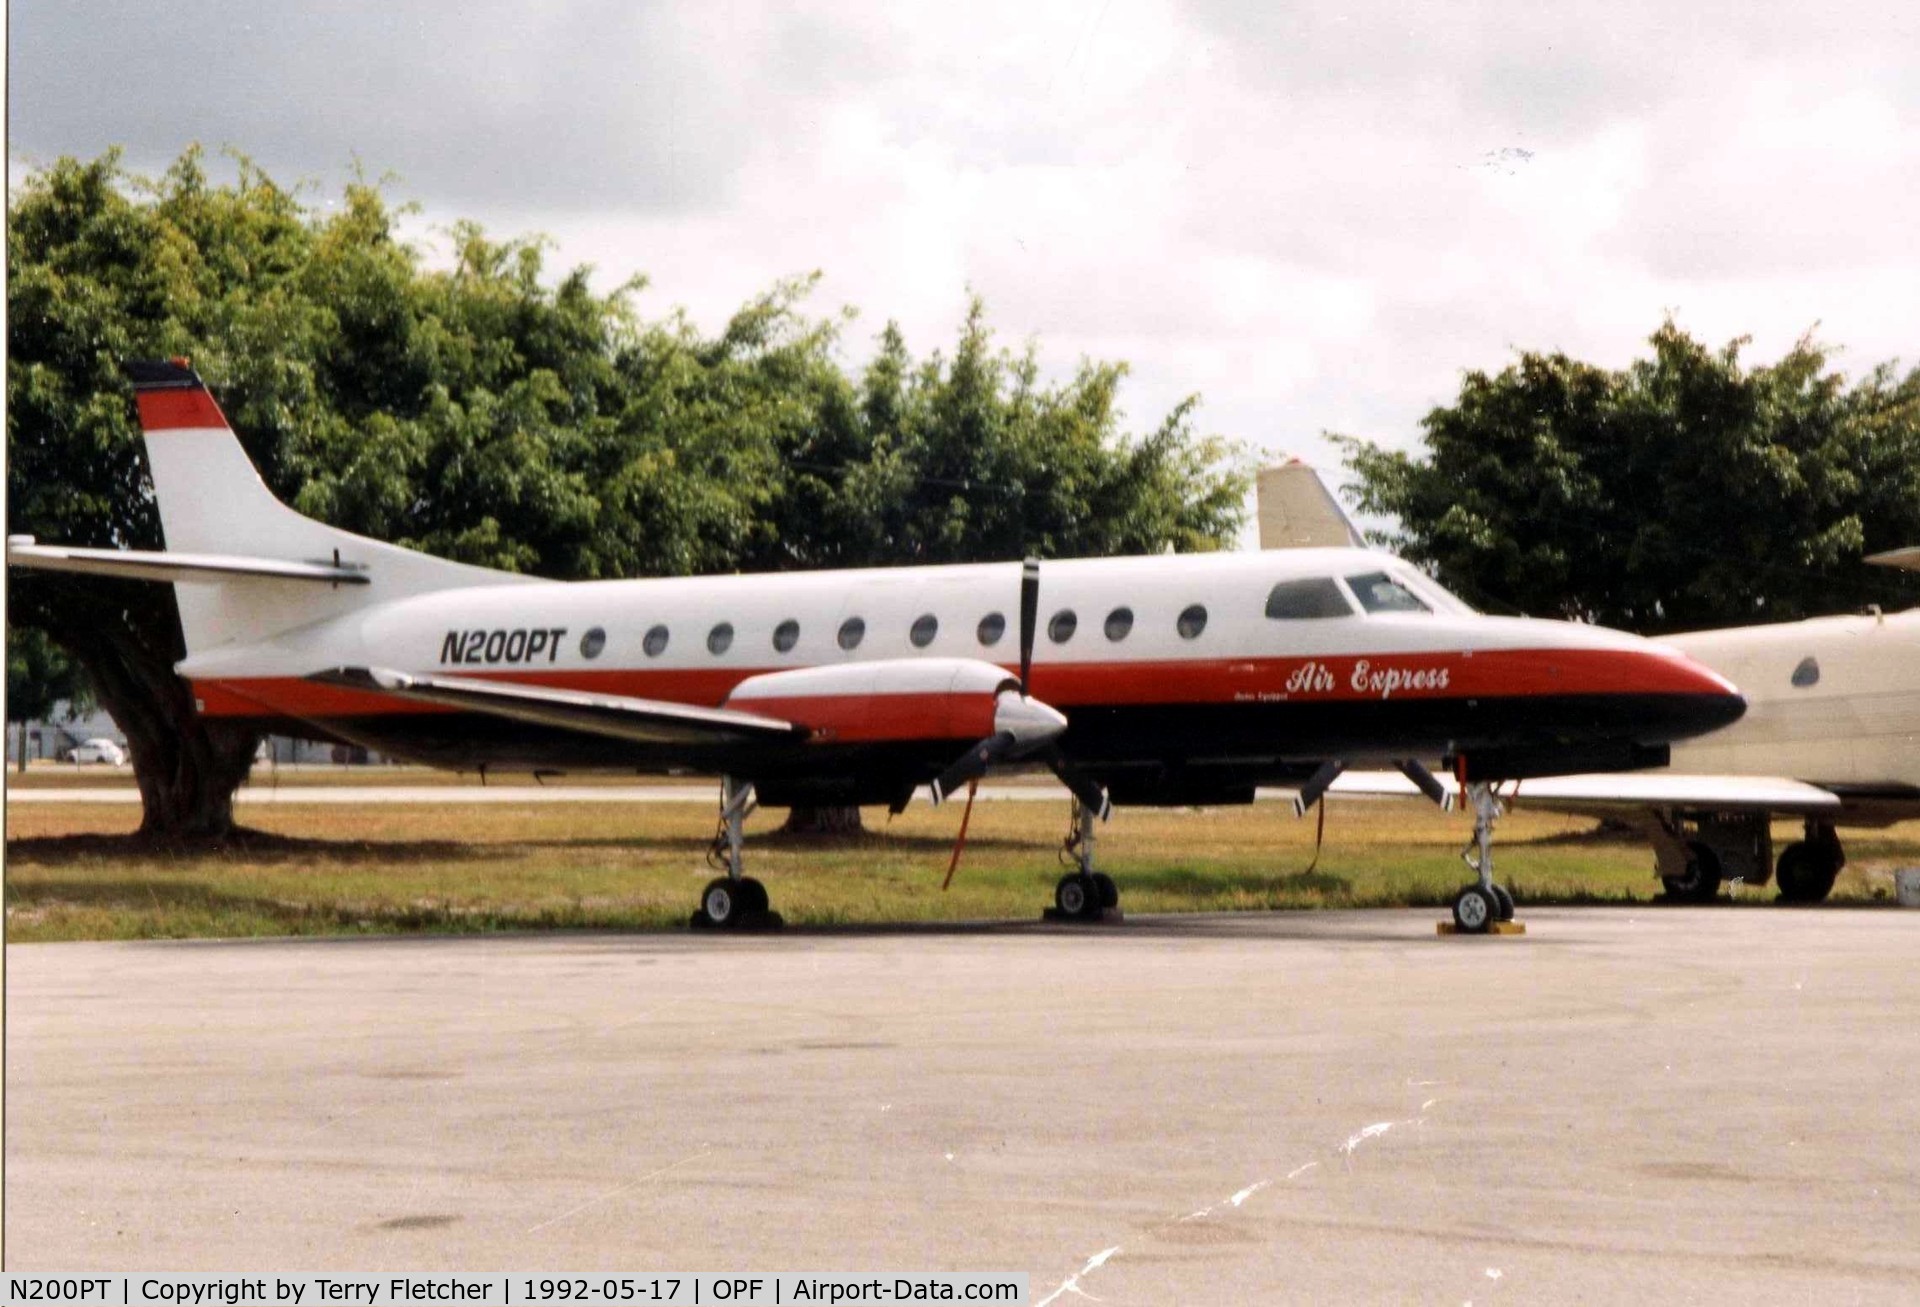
{"x":1701,"y":881}
{"x":1503,"y":900}
{"x":1109,"y":892}
{"x":724,"y":902}
{"x":1803,"y":875}
{"x":1077,"y":896}
{"x":1474,"y":910}
{"x":755,"y":897}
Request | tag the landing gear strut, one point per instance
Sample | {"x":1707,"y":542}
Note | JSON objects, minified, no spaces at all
{"x":733,"y":901}
{"x":1477,"y":907}
{"x":1084,"y":894}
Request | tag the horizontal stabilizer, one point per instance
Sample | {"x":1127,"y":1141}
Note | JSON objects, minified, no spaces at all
{"x":158,"y":565}
{"x":1908,"y":558}
{"x":619,"y":717}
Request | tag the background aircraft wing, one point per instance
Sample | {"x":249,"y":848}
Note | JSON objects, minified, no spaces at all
{"x":1610,"y":791}
{"x":621,"y":717}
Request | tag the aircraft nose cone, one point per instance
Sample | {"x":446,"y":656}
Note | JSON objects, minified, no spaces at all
{"x":1027,"y":720}
{"x":1697,"y":698}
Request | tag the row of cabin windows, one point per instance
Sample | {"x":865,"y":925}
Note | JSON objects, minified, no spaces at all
{"x":1314,"y":597}
{"x":993,"y":627}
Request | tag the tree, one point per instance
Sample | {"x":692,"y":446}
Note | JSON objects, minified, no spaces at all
{"x":490,"y":413}
{"x":1684,"y":491}
{"x":475,"y":412}
{"x":39,"y":679}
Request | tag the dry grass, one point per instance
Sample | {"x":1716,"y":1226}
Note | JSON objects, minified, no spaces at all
{"x":469,"y":867}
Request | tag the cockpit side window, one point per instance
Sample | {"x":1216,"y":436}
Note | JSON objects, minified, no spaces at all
{"x":1380,"y":593}
{"x":1315,"y":596}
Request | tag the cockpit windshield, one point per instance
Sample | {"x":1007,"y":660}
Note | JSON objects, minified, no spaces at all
{"x":1379,"y":592}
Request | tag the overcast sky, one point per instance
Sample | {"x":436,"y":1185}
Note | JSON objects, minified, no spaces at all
{"x":1316,"y":215}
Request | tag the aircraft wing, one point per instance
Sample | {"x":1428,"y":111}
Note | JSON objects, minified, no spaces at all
{"x":1611,"y":791}
{"x":157,"y":565}
{"x":620,"y":717}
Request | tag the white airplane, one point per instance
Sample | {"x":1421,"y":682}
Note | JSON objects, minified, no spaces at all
{"x":1831,"y":736}
{"x":1833,"y":702}
{"x":1160,"y":680}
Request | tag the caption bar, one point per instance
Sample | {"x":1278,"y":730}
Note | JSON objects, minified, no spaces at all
{"x":683,"y":1289}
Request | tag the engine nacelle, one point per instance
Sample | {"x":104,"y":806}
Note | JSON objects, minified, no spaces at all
{"x":892,"y":699}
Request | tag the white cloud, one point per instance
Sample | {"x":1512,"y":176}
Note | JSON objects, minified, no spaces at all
{"x":1317,"y":214}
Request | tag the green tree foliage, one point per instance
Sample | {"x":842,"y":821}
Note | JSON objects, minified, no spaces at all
{"x":40,"y":678}
{"x":488,"y":412}
{"x":974,"y":458}
{"x":1685,"y":491}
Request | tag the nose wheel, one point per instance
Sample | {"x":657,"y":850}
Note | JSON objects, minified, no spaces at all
{"x":1484,"y":905}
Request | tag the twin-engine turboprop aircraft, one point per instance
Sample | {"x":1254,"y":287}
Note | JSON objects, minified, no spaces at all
{"x":1159,"y":680}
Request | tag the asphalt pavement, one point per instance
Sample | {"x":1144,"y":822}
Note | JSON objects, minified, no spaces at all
{"x":1631,"y":1104}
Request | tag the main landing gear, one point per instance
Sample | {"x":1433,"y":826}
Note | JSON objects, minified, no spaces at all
{"x":1084,"y":894}
{"x":1806,"y":870}
{"x":1478,"y":907}
{"x":733,"y":901}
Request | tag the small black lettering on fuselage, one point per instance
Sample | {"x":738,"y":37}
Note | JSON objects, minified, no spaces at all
{"x":517,"y":645}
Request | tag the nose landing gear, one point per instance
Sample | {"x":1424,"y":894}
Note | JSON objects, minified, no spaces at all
{"x":1483,"y":907}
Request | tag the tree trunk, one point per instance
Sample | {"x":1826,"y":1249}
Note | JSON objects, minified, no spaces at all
{"x":823,"y":821}
{"x":187,"y":766}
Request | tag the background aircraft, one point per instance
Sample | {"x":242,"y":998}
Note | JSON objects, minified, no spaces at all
{"x":1831,"y":735}
{"x":1161,"y":680}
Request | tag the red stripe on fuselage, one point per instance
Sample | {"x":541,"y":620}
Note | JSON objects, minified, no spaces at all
{"x":1488,"y":674}
{"x":177,"y":410}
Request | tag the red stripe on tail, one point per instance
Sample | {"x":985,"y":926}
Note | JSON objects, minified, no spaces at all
{"x":175,"y":410}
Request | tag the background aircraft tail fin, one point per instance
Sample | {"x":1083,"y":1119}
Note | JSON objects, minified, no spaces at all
{"x":213,"y":502}
{"x":1297,"y":511}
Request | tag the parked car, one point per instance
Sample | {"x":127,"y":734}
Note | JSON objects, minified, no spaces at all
{"x":97,"y":751}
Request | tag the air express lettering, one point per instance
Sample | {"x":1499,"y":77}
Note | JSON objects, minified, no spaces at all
{"x":520,"y":645}
{"x":1384,"y":682}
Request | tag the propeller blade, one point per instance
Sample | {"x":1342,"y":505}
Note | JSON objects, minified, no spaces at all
{"x":1316,"y":787}
{"x":1029,"y":615}
{"x":1091,"y":793}
{"x":972,"y":765}
{"x":1429,"y":784}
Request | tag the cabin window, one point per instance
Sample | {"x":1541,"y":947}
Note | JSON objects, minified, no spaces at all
{"x":925,"y":627}
{"x":1299,"y":600}
{"x":786,"y":635}
{"x":592,"y":643}
{"x":1807,"y":673}
{"x":992,"y":627}
{"x":1061,"y":628}
{"x":720,"y":638}
{"x":1192,"y":621}
{"x":656,"y":642}
{"x":1119,"y":622}
{"x":1380,"y":593}
{"x":852,"y":632}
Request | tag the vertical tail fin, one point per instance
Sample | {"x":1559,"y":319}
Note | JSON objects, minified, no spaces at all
{"x":212,"y":500}
{"x":1297,"y":511}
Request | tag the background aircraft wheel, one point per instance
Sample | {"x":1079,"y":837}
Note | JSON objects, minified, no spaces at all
{"x":1803,"y":874}
{"x":1503,"y":902}
{"x":1077,"y":896}
{"x":753,"y":896}
{"x":1109,"y":892}
{"x":1701,"y":880}
{"x":1474,"y":910}
{"x":723,"y":902}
